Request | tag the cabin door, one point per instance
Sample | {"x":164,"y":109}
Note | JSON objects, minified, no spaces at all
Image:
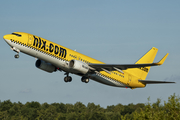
{"x":30,"y":40}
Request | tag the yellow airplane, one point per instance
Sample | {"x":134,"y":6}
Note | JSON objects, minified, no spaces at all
{"x":53,"y":57}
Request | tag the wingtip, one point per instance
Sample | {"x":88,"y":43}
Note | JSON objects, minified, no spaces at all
{"x":162,"y":60}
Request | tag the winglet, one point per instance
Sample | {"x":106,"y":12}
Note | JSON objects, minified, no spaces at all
{"x":162,"y":60}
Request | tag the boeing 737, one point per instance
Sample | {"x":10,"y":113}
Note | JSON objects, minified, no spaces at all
{"x":52,"y":57}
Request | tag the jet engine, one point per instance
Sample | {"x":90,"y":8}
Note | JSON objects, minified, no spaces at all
{"x":78,"y":67}
{"x":45,"y":66}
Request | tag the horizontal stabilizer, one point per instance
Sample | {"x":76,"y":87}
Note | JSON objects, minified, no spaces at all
{"x":153,"y":82}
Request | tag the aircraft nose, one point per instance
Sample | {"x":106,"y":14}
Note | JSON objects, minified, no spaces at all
{"x":6,"y":37}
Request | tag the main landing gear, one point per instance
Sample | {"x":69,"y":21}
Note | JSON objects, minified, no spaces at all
{"x":67,"y":78}
{"x":85,"y":79}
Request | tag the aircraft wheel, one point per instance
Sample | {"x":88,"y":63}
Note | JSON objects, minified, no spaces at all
{"x":16,"y":56}
{"x":69,"y":78}
{"x":85,"y":79}
{"x":82,"y":79}
{"x":65,"y":79}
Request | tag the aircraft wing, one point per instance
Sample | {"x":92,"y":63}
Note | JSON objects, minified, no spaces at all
{"x":120,"y":67}
{"x":111,"y":67}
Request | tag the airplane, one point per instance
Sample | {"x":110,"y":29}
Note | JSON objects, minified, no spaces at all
{"x":52,"y":57}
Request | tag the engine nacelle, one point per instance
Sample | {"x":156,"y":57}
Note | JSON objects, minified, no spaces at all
{"x":78,"y":67}
{"x":45,"y":66}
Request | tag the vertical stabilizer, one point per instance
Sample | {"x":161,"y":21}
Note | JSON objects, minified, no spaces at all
{"x":142,"y":72}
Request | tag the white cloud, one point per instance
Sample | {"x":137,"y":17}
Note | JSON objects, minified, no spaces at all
{"x":173,"y":78}
{"x":26,"y":91}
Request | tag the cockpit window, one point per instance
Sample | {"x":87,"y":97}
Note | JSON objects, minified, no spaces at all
{"x":17,"y":34}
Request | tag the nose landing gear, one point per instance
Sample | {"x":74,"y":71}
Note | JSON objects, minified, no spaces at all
{"x":16,"y":50}
{"x":16,"y":56}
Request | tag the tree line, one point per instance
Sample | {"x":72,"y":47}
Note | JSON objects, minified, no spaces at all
{"x":169,"y":110}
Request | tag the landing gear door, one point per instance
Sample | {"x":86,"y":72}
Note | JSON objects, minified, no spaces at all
{"x":30,"y":40}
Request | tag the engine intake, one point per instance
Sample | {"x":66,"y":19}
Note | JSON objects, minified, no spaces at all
{"x":45,"y":66}
{"x":78,"y":67}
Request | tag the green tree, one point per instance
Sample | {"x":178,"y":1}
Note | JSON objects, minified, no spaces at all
{"x":79,"y":107}
{"x":47,"y":114}
{"x":4,"y":115}
{"x":72,"y":116}
{"x":34,"y":110}
{"x":6,"y":105}
{"x":30,"y":110}
{"x":69,"y":108}
{"x":172,"y":107}
{"x":155,"y":111}
{"x":15,"y":110}
{"x":97,"y":115}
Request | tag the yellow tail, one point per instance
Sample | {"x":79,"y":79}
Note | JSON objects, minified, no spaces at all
{"x":142,"y":72}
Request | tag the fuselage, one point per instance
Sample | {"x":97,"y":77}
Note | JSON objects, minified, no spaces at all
{"x":60,"y":56}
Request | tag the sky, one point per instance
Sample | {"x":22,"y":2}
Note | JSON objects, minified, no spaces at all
{"x":114,"y":32}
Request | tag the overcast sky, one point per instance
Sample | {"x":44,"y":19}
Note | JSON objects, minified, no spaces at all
{"x":114,"y":31}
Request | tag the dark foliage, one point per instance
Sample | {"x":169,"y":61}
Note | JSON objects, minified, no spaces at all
{"x":59,"y":111}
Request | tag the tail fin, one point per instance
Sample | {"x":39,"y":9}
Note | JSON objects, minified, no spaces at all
{"x":142,"y":72}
